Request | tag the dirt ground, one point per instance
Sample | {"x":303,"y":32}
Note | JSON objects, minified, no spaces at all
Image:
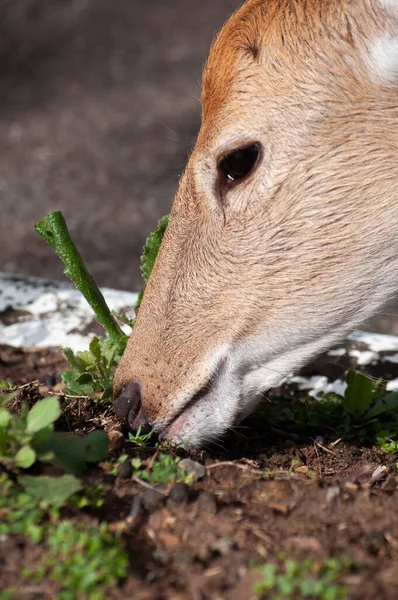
{"x":98,"y":111}
{"x":264,"y":493}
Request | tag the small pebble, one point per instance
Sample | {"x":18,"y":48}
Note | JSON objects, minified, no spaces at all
{"x":160,"y":556}
{"x":151,"y":499}
{"x":135,"y":511}
{"x":125,"y":470}
{"x":332,"y":493}
{"x":192,"y":468}
{"x":379,"y":473}
{"x":59,"y":387}
{"x":223,"y":546}
{"x":351,"y":487}
{"x":207,"y":503}
{"x":50,"y":379}
{"x":179,"y":493}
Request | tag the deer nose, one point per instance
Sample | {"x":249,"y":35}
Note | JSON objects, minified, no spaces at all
{"x":129,"y":409}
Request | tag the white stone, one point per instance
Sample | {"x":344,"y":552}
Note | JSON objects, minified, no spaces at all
{"x":57,"y":314}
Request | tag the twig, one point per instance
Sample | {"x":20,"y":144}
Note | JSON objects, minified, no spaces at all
{"x":68,"y":396}
{"x":25,"y":385}
{"x":336,"y":442}
{"x":258,"y":472}
{"x":147,"y":485}
{"x":322,"y":447}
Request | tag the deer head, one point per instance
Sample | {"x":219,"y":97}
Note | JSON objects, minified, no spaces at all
{"x":283,"y":234}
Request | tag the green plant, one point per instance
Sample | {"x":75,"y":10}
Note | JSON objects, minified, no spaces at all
{"x":387,"y":441}
{"x":88,"y":498}
{"x":365,"y":411}
{"x":54,"y":231}
{"x":85,"y":560}
{"x":141,"y":440}
{"x":151,"y":249}
{"x":30,"y":437}
{"x":82,"y":559}
{"x":160,"y":471}
{"x":92,"y":370}
{"x":20,"y":435}
{"x":308,"y":579}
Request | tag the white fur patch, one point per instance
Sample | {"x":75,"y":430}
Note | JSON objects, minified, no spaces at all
{"x":390,"y":4}
{"x":384,"y":56}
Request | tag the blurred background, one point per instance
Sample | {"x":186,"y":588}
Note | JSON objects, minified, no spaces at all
{"x":99,"y":108}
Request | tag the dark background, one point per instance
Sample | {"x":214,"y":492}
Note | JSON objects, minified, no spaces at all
{"x":98,"y":111}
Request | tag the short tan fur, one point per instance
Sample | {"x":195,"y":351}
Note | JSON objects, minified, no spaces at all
{"x":256,"y":277}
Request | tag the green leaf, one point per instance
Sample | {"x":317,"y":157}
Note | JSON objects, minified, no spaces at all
{"x":139,"y":300}
{"x":5,"y":418}
{"x":152,"y":246}
{"x":72,"y":452}
{"x":54,"y":490}
{"x":44,"y":413}
{"x":42,"y":435}
{"x":73,"y":387}
{"x":87,"y":359}
{"x":86,"y":379}
{"x":358,"y":394}
{"x":383,"y":405}
{"x":95,"y":349}
{"x":69,"y":451}
{"x":97,"y":446}
{"x":71,"y":358}
{"x":25,"y":457}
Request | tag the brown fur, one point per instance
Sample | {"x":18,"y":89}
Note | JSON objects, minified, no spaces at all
{"x":299,"y":249}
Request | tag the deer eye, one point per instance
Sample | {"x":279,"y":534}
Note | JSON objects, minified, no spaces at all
{"x":240,"y":163}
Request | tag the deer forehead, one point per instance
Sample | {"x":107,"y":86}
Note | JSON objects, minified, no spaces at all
{"x":281,"y":38}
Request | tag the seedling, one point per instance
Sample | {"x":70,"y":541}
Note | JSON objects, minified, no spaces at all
{"x":141,"y":440}
{"x":305,"y":580}
{"x":84,"y":559}
{"x":388,"y":441}
{"x":161,"y":471}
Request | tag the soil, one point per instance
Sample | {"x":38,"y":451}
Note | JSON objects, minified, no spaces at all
{"x":263,"y":493}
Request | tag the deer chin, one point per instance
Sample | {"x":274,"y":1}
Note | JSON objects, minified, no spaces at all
{"x":205,"y":416}
{"x":237,"y":386}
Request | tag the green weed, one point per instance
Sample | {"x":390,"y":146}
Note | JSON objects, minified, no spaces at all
{"x":92,"y":370}
{"x":29,"y":437}
{"x":308,"y":579}
{"x":161,"y":471}
{"x":84,"y":559}
{"x":140,"y":440}
{"x":365,"y":411}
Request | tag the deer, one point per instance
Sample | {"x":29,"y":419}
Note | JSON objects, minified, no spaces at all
{"x":283,"y":234}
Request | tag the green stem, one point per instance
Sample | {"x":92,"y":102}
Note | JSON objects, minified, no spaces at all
{"x":54,"y":231}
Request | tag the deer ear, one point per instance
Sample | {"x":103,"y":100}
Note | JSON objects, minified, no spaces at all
{"x":384,"y":56}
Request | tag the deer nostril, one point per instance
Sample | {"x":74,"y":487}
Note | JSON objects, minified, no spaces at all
{"x":129,"y":400}
{"x":129,"y":409}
